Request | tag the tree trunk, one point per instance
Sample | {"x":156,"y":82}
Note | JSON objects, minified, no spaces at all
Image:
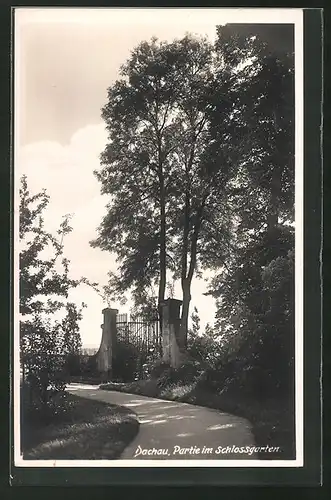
{"x":186,"y":287}
{"x":163,"y":277}
{"x":187,"y":281}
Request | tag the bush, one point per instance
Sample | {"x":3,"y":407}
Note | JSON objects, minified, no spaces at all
{"x":73,"y":364}
{"x":156,"y":369}
{"x":88,"y":366}
{"x":187,"y":373}
{"x":126,"y":361}
{"x":257,"y":370}
{"x":43,"y":374}
{"x":40,"y":408}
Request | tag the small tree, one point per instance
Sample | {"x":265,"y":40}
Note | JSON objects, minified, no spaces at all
{"x":44,"y":288}
{"x":193,"y":339}
{"x":72,"y":343}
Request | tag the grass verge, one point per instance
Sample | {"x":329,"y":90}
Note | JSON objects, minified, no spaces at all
{"x":271,"y":421}
{"x":80,"y":429}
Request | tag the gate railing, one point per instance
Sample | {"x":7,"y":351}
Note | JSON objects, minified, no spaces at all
{"x":145,"y":335}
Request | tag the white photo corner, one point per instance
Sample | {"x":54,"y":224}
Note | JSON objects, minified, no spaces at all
{"x":158,"y":166}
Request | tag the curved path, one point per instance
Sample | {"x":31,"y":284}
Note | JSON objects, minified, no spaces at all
{"x":171,"y":430}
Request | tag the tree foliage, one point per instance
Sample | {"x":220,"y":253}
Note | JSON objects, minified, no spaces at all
{"x":255,"y":286}
{"x":40,"y":276}
{"x":199,"y":170}
{"x":164,"y":166}
{"x":47,"y":341}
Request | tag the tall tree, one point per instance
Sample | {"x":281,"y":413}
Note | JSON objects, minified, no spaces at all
{"x":208,"y":112}
{"x":263,"y":198}
{"x":164,"y":166}
{"x":266,"y":161}
{"x":136,"y":166}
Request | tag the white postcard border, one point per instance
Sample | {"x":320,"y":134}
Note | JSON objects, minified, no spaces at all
{"x":256,"y":15}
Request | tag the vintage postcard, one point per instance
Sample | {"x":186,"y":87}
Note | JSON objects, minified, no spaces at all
{"x":158,"y":169}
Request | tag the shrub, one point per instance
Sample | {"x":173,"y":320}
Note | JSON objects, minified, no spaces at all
{"x":187,"y":373}
{"x":156,"y":369}
{"x":126,"y":362}
{"x":88,"y":366}
{"x":178,"y":392}
{"x":73,"y":364}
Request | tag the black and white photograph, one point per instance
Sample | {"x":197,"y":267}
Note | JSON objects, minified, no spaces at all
{"x":158,"y":176}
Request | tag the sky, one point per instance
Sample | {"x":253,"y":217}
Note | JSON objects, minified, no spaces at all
{"x":65,"y":59}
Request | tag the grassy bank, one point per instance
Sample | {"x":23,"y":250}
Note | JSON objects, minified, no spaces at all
{"x":271,"y":420}
{"x":76,"y":428}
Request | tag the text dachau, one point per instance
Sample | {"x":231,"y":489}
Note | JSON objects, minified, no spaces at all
{"x":195,"y":450}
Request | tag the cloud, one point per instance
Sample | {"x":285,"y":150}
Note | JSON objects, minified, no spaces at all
{"x":66,"y":172}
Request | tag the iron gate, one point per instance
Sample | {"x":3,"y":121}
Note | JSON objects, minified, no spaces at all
{"x":143,"y":337}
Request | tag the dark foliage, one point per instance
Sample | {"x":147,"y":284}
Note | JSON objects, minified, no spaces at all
{"x":187,"y":373}
{"x":126,"y":362}
{"x":156,"y":369}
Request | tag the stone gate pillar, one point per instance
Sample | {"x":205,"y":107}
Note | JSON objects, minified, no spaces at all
{"x":108,"y":341}
{"x":170,"y":332}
